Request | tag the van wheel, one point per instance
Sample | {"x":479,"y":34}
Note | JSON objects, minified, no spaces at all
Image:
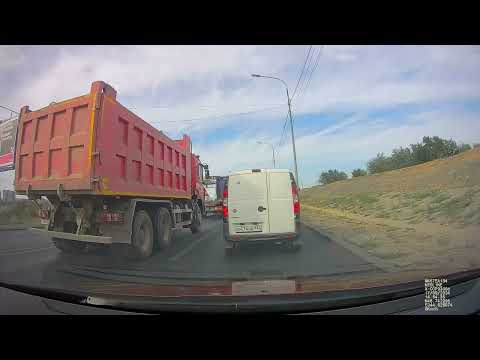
{"x":142,"y":236}
{"x":196,"y":225}
{"x":164,"y":230}
{"x":69,"y":246}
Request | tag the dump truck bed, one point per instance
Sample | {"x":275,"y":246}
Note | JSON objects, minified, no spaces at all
{"x":92,"y":144}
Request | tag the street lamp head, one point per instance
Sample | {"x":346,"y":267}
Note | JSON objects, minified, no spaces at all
{"x":256,"y":75}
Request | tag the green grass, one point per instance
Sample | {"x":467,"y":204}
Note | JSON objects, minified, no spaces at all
{"x":367,"y":199}
{"x":450,"y":208}
{"x":440,"y":198}
{"x":414,"y":220}
{"x":444,"y":241}
{"x":455,"y":207}
{"x":421,"y":195}
{"x":17,"y":212}
{"x":354,"y":201}
{"x":393,"y":255}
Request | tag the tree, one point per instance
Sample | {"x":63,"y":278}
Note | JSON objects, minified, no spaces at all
{"x":464,"y":147}
{"x":429,"y":149}
{"x":330,"y":176}
{"x":401,"y":158}
{"x":359,"y":172}
{"x":380,"y":164}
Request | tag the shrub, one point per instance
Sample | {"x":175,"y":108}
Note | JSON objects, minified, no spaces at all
{"x":359,"y":172}
{"x":330,"y":176}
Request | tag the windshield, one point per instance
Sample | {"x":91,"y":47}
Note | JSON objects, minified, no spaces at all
{"x":329,"y":168}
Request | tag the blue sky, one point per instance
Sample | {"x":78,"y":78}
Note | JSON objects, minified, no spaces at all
{"x":361,"y":99}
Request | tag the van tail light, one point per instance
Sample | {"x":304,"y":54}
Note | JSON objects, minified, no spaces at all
{"x":225,"y":201}
{"x":296,"y":201}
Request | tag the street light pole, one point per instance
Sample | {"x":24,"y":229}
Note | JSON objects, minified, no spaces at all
{"x":273,"y":155}
{"x":291,"y":122}
{"x":273,"y":150}
{"x":293,"y":139}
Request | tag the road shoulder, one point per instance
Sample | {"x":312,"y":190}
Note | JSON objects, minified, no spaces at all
{"x":11,"y":227}
{"x":381,"y":264}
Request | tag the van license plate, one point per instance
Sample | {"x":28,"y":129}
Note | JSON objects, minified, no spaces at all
{"x":249,"y":228}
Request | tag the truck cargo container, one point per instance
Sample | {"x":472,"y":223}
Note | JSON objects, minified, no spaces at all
{"x":221,"y":183}
{"x":211,"y":200}
{"x":110,"y":176}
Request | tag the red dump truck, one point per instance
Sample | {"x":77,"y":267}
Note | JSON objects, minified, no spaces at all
{"x":110,"y":177}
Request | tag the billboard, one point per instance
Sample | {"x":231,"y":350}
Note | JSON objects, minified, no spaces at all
{"x":8,"y":132}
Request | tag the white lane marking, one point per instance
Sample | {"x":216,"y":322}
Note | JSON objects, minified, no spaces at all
{"x":187,"y":249}
{"x":190,"y":247}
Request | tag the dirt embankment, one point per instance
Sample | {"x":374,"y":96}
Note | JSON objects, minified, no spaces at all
{"x":424,"y":216}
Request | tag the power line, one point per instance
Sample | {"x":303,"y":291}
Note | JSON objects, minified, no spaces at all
{"x":283,"y":131}
{"x":6,"y":108}
{"x":301,"y":73}
{"x":312,"y":71}
{"x":307,"y":83}
{"x":309,"y":63}
{"x":198,"y":107}
{"x":300,"y":78}
{"x":219,"y":116}
{"x":314,"y":68}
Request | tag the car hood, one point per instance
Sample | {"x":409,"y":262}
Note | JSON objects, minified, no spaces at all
{"x":244,"y":295}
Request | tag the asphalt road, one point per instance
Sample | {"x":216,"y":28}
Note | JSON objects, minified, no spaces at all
{"x":26,"y":257}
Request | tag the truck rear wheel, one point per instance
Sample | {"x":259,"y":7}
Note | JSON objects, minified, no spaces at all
{"x":142,"y":236}
{"x":69,"y":246}
{"x":196,"y":225}
{"x":164,"y":228}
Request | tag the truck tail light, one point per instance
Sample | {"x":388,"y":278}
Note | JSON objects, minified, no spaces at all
{"x":44,"y":214}
{"x":296,"y":201}
{"x":225,"y":202}
{"x":111,"y":217}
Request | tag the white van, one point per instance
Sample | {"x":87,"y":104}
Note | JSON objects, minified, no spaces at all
{"x":261,"y":205}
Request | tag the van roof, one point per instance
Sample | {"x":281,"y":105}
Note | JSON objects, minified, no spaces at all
{"x":249,"y":171}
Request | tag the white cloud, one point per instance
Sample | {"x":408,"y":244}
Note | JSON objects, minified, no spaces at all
{"x":10,"y":57}
{"x":204,"y":81}
{"x":188,"y":77}
{"x":360,"y":140}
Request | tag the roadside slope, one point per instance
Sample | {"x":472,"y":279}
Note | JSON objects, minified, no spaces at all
{"x":426,"y":215}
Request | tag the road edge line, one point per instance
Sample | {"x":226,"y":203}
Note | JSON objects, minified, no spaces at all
{"x":381,"y":264}
{"x":13,"y":227}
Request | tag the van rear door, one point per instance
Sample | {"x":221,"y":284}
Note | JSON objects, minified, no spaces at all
{"x":280,"y":204}
{"x":248,"y":203}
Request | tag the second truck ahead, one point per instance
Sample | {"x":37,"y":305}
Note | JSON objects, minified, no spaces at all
{"x":109,"y":175}
{"x":215,"y":187}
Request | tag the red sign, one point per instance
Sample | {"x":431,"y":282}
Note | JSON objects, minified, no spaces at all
{"x":8,"y":131}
